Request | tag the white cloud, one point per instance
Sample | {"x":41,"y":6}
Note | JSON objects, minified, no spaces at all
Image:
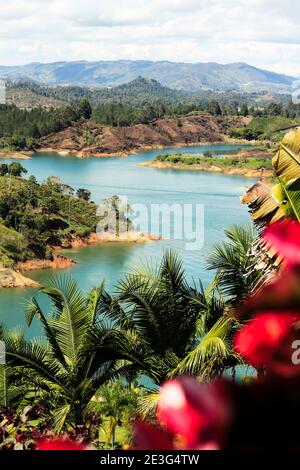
{"x":265,"y":33}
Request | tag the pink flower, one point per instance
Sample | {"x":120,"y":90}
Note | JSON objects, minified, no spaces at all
{"x":284,"y":236}
{"x":60,"y":444}
{"x":198,"y":413}
{"x":266,"y":340}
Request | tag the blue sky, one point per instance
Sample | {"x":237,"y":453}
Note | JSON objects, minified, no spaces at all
{"x":265,"y":33}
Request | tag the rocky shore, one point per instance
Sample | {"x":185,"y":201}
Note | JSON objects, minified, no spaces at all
{"x":88,"y":139}
{"x":10,"y":278}
{"x":15,"y":155}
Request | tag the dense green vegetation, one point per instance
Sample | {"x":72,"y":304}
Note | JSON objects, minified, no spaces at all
{"x":138,"y":102}
{"x":34,"y":217}
{"x":263,"y":127}
{"x":155,"y":325}
{"x":21,"y":128}
{"x":251,"y":163}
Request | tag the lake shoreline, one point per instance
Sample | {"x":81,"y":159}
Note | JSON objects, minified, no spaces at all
{"x":208,"y":168}
{"x":62,"y":152}
{"x":11,"y":278}
{"x":16,"y":154}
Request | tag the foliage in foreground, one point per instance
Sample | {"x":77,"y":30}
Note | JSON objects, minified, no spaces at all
{"x":239,"y":416}
{"x":272,"y":202}
{"x":156,"y":324}
{"x":256,"y":414}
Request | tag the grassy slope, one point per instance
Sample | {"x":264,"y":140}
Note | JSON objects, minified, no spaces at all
{"x":266,"y":125}
{"x":264,"y":128}
{"x":10,"y":241}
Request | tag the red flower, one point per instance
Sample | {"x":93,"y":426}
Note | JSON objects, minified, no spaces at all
{"x":285,"y":238}
{"x":60,"y":444}
{"x":199,"y":413}
{"x":147,"y":437}
{"x":267,"y":341}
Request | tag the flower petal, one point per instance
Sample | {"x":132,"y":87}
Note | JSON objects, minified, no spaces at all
{"x":284,"y":236}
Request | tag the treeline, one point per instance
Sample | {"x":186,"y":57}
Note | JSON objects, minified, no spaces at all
{"x":123,"y":114}
{"x":20,"y":128}
{"x":140,"y":91}
{"x":136,"y":92}
{"x":208,"y":160}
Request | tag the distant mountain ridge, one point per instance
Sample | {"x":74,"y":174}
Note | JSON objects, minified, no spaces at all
{"x":29,"y":94}
{"x":181,"y":76}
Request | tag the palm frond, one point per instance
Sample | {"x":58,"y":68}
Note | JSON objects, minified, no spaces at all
{"x":70,"y":322}
{"x":147,"y":405}
{"x":212,"y":353}
{"x":236,"y":269}
{"x":32,"y":310}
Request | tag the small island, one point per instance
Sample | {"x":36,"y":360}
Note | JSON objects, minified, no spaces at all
{"x":253,"y":163}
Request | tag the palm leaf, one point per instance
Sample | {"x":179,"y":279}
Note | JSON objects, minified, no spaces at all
{"x":147,"y":405}
{"x":286,"y":162}
{"x":270,"y":203}
{"x":70,"y":322}
{"x":32,"y":310}
{"x":212,"y":352}
{"x":60,"y":416}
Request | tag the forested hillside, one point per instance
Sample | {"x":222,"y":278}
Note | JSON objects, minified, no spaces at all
{"x":21,"y":129}
{"x":34,"y":217}
{"x":29,"y":94}
{"x":139,"y":102}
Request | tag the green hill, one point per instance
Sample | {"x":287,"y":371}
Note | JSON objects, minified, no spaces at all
{"x":264,"y":127}
{"x":34,"y":217}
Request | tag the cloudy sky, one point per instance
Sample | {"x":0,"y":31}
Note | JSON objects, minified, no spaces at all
{"x":265,"y":33}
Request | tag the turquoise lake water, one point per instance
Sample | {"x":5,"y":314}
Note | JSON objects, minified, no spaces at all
{"x":218,"y":193}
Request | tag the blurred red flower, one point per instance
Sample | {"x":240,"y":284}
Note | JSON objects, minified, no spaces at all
{"x":60,"y":444}
{"x":199,"y":413}
{"x":284,"y":236}
{"x":266,"y":341}
{"x":147,"y":437}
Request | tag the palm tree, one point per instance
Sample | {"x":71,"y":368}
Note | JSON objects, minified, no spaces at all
{"x":64,"y":373}
{"x":238,"y":272}
{"x":116,"y":404}
{"x":161,"y":321}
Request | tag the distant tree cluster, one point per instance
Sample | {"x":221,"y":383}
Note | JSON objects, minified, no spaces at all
{"x":14,"y":169}
{"x":289,"y":110}
{"x":20,"y":128}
